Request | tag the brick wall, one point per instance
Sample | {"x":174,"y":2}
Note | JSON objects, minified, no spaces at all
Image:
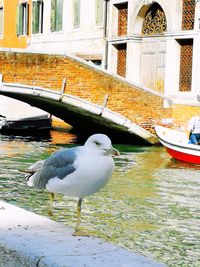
{"x":142,"y":107}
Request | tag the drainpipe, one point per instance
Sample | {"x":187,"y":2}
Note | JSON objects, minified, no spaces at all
{"x":105,"y":33}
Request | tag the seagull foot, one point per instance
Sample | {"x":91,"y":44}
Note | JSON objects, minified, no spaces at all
{"x":80,"y":233}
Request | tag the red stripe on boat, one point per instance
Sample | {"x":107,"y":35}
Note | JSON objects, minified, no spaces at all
{"x":183,"y":156}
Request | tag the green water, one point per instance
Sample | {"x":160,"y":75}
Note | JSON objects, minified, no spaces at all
{"x":150,"y":206}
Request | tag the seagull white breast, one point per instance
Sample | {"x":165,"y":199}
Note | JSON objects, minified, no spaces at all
{"x":93,"y":171}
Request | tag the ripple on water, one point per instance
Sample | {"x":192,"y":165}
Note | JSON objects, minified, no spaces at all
{"x":151,"y":205}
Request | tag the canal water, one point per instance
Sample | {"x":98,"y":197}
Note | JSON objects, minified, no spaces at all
{"x":150,"y":206}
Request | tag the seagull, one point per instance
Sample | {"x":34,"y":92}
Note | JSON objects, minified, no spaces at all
{"x":76,"y":172}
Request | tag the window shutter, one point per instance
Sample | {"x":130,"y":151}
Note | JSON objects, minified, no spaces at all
{"x":76,"y":13}
{"x":37,"y":16}
{"x":41,"y":16}
{"x":26,"y":18}
{"x":56,"y":15}
{"x":53,"y":15}
{"x":19,"y":19}
{"x":34,"y":12}
{"x":99,"y":12}
{"x":59,"y":15}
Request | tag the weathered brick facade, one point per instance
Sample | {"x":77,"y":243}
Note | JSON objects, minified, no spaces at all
{"x":48,"y":71}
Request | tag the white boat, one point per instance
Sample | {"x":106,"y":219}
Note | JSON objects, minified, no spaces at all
{"x":17,"y":116}
{"x":177,"y":145}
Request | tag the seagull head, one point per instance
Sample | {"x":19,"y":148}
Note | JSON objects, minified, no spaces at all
{"x":101,"y":143}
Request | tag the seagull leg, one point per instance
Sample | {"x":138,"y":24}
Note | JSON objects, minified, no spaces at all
{"x":50,"y":204}
{"x":77,"y":231}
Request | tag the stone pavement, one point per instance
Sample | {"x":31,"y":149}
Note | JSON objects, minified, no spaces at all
{"x":28,"y":240}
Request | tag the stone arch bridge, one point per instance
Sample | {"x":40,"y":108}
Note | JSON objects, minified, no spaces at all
{"x":95,"y":100}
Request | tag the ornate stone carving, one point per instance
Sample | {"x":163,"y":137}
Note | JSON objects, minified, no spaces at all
{"x":155,"y":21}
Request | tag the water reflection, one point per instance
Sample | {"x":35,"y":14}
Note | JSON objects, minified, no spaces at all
{"x":151,"y":205}
{"x":58,"y":137}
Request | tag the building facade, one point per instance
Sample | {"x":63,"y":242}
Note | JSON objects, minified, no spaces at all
{"x":57,"y":26}
{"x":72,"y":26}
{"x":155,"y":44}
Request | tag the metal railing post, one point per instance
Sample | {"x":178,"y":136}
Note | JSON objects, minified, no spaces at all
{"x":62,"y":91}
{"x":104,"y":104}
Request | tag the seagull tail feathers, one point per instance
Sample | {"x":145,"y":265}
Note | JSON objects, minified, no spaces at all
{"x":30,"y":182}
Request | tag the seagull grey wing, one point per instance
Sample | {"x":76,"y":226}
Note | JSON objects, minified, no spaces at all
{"x":60,"y":164}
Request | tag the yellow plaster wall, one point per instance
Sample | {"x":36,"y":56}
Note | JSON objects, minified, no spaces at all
{"x":10,"y":38}
{"x":182,"y":114}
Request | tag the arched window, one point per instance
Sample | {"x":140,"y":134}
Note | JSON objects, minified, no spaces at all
{"x":1,"y":18}
{"x":154,"y":21}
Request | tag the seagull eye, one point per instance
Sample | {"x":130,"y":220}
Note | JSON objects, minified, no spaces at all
{"x":97,"y":143}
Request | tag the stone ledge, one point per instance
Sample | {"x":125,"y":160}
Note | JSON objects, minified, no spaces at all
{"x":30,"y":240}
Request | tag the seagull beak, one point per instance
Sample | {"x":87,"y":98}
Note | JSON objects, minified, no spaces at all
{"x":113,"y":151}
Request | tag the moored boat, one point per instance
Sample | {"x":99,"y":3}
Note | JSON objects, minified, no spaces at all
{"x":17,"y":117}
{"x":177,"y":145}
{"x":25,"y":124}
